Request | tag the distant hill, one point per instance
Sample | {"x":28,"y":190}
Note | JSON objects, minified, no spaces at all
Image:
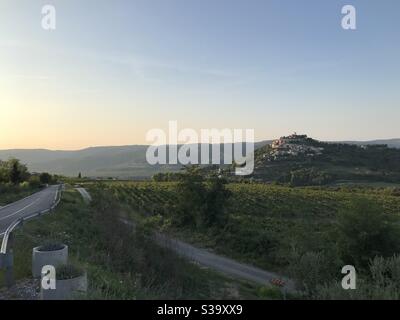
{"x":119,"y":161}
{"x":391,"y":143}
{"x":300,"y":160}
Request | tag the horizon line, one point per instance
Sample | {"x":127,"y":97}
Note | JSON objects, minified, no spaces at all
{"x":146,"y":145}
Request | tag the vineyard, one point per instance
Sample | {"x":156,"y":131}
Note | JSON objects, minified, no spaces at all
{"x":265,"y":221}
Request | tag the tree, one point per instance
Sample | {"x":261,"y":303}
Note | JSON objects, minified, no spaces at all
{"x":201,"y":200}
{"x":309,"y":270}
{"x":45,"y":178}
{"x":309,"y":176}
{"x":15,"y":174}
{"x":17,"y":171}
{"x":80,"y":175}
{"x":216,"y":198}
{"x":365,"y":232}
{"x":191,"y":197}
{"x":4,"y":176}
{"x":34,"y":181}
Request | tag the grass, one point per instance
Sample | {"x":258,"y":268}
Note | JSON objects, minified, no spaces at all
{"x":122,"y":264}
{"x":368,"y":184}
{"x":265,"y":221}
{"x":266,"y":224}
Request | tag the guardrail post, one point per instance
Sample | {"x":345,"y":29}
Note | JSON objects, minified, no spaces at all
{"x":9,"y":262}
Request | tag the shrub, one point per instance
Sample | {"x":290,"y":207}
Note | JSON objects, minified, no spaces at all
{"x":311,"y":270}
{"x":45,"y":178}
{"x":382,"y":282}
{"x":68,"y":271}
{"x":201,"y":199}
{"x":24,"y":185}
{"x":34,"y":181}
{"x":51,"y":246}
{"x":270,"y":293}
{"x":365,"y":232}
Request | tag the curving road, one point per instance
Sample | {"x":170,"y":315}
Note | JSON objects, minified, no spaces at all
{"x":24,"y":208}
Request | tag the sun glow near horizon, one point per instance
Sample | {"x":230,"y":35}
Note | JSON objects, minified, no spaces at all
{"x":95,"y":84}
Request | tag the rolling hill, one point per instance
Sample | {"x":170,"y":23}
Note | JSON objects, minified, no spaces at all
{"x":391,"y":143}
{"x":300,"y":160}
{"x":117,"y":161}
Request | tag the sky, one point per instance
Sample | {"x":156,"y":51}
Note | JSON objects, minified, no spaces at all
{"x":113,"y":70}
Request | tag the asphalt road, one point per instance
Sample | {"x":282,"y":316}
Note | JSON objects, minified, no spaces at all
{"x":36,"y":202}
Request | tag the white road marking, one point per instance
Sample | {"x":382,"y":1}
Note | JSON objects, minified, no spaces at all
{"x":13,"y":214}
{"x":30,"y":196}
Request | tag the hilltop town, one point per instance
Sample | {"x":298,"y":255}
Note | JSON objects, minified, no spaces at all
{"x":291,"y":146}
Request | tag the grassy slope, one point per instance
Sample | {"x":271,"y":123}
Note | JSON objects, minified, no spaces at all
{"x":74,"y":225}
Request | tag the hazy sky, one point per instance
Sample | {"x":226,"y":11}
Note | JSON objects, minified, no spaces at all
{"x":112,"y":70}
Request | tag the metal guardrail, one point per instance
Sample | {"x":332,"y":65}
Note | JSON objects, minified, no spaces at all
{"x":6,"y":254}
{"x":21,"y":220}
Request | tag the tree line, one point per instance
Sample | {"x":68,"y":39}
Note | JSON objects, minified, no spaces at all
{"x":13,"y":172}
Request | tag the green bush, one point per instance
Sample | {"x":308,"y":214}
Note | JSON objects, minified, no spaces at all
{"x":68,"y":271}
{"x":51,"y":246}
{"x":34,"y":181}
{"x":310,"y":270}
{"x":381,"y":282}
{"x":270,"y":293}
{"x":365,"y":231}
{"x":45,"y":178}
